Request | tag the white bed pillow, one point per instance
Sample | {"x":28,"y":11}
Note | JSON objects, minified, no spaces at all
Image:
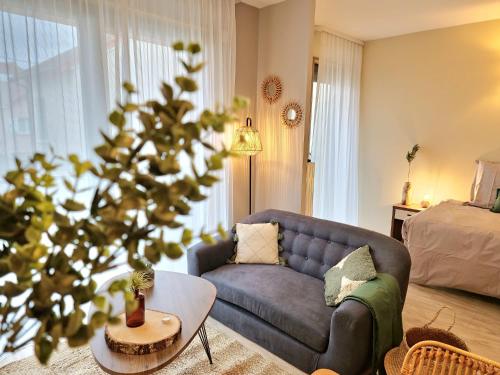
{"x":257,"y":243}
{"x":486,"y":183}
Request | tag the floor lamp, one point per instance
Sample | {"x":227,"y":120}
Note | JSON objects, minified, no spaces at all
{"x":246,"y":141}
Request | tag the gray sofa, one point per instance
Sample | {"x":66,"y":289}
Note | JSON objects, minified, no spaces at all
{"x":283,"y":308}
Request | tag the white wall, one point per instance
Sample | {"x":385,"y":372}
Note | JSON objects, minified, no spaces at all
{"x":440,"y":89}
{"x":247,"y":38}
{"x":285,"y":49}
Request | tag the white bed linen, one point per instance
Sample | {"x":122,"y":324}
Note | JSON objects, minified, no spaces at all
{"x":456,"y":246}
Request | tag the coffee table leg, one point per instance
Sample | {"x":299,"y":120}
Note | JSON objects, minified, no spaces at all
{"x":204,"y":340}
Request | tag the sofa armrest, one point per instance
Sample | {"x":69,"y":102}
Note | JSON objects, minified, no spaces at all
{"x":203,"y":258}
{"x":350,"y":346}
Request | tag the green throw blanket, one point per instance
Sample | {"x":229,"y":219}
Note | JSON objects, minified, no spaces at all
{"x":383,"y":298}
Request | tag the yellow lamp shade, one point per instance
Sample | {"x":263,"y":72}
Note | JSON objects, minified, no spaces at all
{"x":246,"y":141}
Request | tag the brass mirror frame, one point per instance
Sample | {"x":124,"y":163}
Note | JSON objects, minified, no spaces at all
{"x":271,"y":80}
{"x":299,"y":114}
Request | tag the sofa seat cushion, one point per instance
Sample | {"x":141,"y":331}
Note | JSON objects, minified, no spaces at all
{"x":290,"y":301}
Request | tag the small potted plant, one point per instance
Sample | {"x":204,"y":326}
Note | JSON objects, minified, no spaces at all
{"x":407,"y":187}
{"x":135,"y":312}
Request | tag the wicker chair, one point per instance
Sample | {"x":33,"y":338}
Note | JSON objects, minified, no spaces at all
{"x":436,"y":358}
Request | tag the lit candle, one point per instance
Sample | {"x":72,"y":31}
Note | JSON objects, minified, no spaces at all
{"x":426,"y":202}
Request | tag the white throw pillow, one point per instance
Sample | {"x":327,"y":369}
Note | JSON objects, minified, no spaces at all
{"x":257,"y":243}
{"x":486,"y":183}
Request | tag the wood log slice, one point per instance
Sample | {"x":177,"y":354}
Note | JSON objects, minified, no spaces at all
{"x":153,"y":336}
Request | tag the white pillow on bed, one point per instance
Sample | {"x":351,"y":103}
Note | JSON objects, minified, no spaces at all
{"x":486,"y":183}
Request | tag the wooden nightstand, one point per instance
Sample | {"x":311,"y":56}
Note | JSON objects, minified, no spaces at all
{"x":399,"y":213}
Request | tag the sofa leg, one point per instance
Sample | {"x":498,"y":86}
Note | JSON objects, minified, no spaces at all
{"x":202,"y":333}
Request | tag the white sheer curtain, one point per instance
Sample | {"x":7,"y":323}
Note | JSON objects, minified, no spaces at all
{"x":335,"y":137}
{"x":62,"y":63}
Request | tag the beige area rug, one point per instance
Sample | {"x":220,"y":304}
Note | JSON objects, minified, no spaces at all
{"x":229,"y":357}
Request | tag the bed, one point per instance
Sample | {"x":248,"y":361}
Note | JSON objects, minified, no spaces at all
{"x":455,"y":246}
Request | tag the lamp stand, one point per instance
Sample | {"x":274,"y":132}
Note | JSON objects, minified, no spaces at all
{"x":250,"y":185}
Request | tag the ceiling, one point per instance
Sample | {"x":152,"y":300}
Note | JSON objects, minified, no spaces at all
{"x":376,"y":19}
{"x":259,"y":3}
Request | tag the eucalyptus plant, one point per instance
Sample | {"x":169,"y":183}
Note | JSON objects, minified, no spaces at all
{"x":139,"y":281}
{"x":52,"y":249}
{"x":410,"y":156}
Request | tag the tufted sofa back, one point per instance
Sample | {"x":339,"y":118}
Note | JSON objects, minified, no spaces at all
{"x":312,"y":246}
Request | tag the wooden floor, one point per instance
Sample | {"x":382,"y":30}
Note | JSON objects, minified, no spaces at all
{"x":477,"y":317}
{"x":477,"y":322}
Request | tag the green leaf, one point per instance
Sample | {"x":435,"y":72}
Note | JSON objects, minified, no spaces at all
{"x":167,"y":91}
{"x":98,"y":319}
{"x":178,"y":46}
{"x":124,"y":140}
{"x":151,"y":253}
{"x":117,"y":286}
{"x":193,"y":48}
{"x":84,"y":167}
{"x":207,"y":180}
{"x":222,"y":232}
{"x":32,"y":234}
{"x":43,"y":349}
{"x":56,"y":332}
{"x":164,"y":215}
{"x":4,"y":268}
{"x":182,"y":207}
{"x":11,"y":289}
{"x":130,"y":107}
{"x":72,"y":205}
{"x":215,"y":162}
{"x":16,"y":178}
{"x":240,"y":102}
{"x":187,"y":237}
{"x":100,"y":302}
{"x":131,"y":303}
{"x":68,"y":185}
{"x":192,"y":68}
{"x":117,"y":118}
{"x":129,"y":87}
{"x":197,"y":67}
{"x":75,"y":321}
{"x":81,"y":337}
{"x":207,"y":238}
{"x":186,"y":84}
{"x":114,"y":320}
{"x":170,"y":165}
{"x":173,"y":250}
{"x":73,"y":158}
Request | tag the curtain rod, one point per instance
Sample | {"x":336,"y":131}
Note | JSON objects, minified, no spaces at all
{"x":340,"y":35}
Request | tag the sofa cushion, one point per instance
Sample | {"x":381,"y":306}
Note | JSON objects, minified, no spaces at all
{"x":290,"y":301}
{"x":345,"y":277}
{"x":257,"y":243}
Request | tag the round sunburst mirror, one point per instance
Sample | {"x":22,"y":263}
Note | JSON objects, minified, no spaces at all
{"x":291,"y":114}
{"x":272,"y":89}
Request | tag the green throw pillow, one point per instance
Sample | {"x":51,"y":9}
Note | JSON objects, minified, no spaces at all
{"x":496,"y":205}
{"x":352,"y":271}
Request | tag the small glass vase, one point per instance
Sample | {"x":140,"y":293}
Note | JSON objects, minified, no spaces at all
{"x":407,"y":193}
{"x":136,"y":317}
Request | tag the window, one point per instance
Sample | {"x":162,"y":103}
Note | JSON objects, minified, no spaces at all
{"x":39,"y":87}
{"x":62,"y":66}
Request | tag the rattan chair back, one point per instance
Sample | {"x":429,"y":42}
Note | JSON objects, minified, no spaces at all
{"x":437,"y":358}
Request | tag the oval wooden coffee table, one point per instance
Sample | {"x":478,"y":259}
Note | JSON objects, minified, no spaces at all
{"x":190,"y":298}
